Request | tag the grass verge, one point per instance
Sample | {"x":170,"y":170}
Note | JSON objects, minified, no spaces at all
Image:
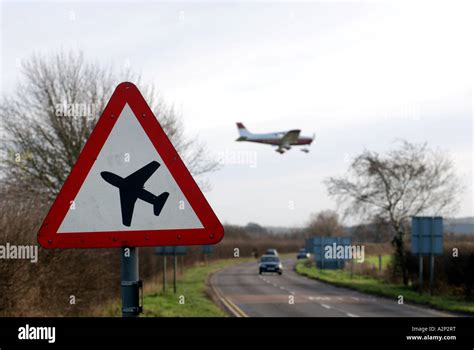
{"x":372,"y":285}
{"x":191,"y":288}
{"x":373,"y":260}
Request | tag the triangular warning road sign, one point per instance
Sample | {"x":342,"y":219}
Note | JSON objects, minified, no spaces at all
{"x":129,"y":187}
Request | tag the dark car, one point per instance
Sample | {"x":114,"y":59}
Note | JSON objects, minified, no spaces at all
{"x":302,"y":254}
{"x":271,"y":252}
{"x":270,"y":263}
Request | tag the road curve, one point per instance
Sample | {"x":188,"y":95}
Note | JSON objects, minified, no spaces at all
{"x":245,"y":293}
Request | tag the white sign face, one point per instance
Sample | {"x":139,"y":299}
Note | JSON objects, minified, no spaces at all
{"x":98,"y":204}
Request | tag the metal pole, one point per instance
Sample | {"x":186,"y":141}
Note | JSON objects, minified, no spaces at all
{"x":421,"y":273}
{"x":380,"y":263}
{"x":338,"y":260}
{"x":315,"y":258}
{"x":164,"y":272}
{"x":432,"y":265}
{"x":420,"y":260}
{"x":322,"y":261}
{"x":130,"y":284}
{"x":431,"y":256}
{"x":322,"y":253}
{"x":175,"y":263}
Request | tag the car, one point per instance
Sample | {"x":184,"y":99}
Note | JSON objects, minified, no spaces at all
{"x":270,"y":263}
{"x":271,"y":252}
{"x":302,"y":254}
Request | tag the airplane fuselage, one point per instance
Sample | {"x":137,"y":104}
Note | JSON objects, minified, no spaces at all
{"x":275,"y":139}
{"x":282,"y":140}
{"x":132,"y":188}
{"x":120,"y":182}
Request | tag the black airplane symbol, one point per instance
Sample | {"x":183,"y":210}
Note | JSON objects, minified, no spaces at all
{"x":131,"y":188}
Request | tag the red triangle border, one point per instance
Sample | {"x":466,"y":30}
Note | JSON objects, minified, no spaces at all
{"x":212,"y":231}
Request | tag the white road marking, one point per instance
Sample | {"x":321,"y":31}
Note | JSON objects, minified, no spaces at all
{"x":351,"y":315}
{"x":325,"y":306}
{"x":319,"y":298}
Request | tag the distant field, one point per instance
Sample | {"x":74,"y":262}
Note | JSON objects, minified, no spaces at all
{"x":373,"y":285}
{"x":373,"y":260}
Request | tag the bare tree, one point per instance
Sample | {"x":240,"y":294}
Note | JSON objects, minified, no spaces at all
{"x":408,"y":180}
{"x":325,"y":223}
{"x":377,"y":231}
{"x":49,"y":117}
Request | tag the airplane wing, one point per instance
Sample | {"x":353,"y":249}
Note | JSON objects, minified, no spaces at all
{"x":139,"y":177}
{"x":290,"y":137}
{"x":127,"y":204}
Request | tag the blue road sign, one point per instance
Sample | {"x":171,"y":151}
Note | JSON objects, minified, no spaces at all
{"x":317,"y":245}
{"x":207,"y":249}
{"x":308,"y":244}
{"x":171,"y":250}
{"x":427,"y":235}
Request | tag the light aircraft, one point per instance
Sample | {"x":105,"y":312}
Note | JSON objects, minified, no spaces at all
{"x":283,"y":140}
{"x":131,"y":188}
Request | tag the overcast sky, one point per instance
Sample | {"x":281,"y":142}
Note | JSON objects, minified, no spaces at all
{"x":358,"y":75}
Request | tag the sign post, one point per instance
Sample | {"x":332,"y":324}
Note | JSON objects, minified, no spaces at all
{"x":319,"y":244}
{"x":174,"y":251}
{"x":431,"y":256}
{"x":426,"y":240}
{"x":130,"y":284}
{"x":128,"y":189}
{"x":420,"y":263}
{"x":420,"y":273}
{"x":432,"y":267}
{"x":206,"y":250}
{"x":164,"y":273}
{"x":309,"y":246}
{"x":175,"y":263}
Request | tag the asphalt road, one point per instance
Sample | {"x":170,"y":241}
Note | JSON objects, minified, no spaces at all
{"x":245,"y":293}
